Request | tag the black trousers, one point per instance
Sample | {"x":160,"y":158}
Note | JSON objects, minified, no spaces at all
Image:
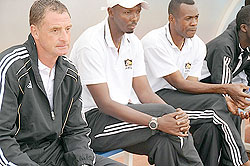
{"x":212,"y":126}
{"x":52,"y":154}
{"x":162,"y":149}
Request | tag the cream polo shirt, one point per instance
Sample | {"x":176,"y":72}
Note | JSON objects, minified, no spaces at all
{"x":163,"y":57}
{"x":48,"y":76}
{"x":98,"y":61}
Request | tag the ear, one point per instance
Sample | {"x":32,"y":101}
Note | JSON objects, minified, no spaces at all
{"x":243,"y":28}
{"x":171,"y":18}
{"x":34,"y":31}
{"x":110,"y":12}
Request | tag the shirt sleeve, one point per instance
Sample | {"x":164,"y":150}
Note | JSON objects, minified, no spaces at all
{"x":198,"y":62}
{"x":8,"y":128}
{"x":139,"y":64}
{"x":159,"y":62}
{"x":91,"y":66}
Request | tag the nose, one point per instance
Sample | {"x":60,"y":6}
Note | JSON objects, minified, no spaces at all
{"x":64,"y":35}
{"x":135,"y":17}
{"x":194,"y":21}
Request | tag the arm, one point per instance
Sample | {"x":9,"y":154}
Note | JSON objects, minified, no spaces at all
{"x":8,"y":128}
{"x":167,"y":123}
{"x":146,"y":95}
{"x":144,"y":91}
{"x":218,"y":59}
{"x":191,"y":85}
{"x":75,"y":135}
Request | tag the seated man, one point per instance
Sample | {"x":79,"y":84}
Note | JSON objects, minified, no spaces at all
{"x":110,"y":62}
{"x":40,"y":104}
{"x":174,"y":56}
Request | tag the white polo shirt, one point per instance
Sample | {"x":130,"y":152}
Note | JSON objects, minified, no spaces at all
{"x":48,"y":76}
{"x":163,"y":57}
{"x":98,"y":61}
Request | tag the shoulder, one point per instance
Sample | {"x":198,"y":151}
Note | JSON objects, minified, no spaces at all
{"x":14,"y":57}
{"x":198,"y":43}
{"x":14,"y":51}
{"x":154,"y":37}
{"x":226,"y":39}
{"x":90,"y":37}
{"x":70,"y":68}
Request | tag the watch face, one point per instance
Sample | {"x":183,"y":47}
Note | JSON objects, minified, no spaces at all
{"x":153,"y":125}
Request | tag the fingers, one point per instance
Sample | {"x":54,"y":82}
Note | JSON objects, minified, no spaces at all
{"x":181,"y":114}
{"x":182,"y":134}
{"x":185,"y":129}
{"x":244,"y":115}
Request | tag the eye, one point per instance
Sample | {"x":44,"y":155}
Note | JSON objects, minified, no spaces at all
{"x":55,"y":30}
{"x":68,"y":28}
{"x":138,"y":11}
{"x":127,"y":12}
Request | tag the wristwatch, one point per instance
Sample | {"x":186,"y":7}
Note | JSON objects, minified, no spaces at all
{"x":153,"y":124}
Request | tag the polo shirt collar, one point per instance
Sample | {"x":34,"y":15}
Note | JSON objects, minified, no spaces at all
{"x":187,"y":43}
{"x":108,"y":38}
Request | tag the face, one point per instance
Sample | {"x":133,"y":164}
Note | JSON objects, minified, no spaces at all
{"x":186,"y":20}
{"x":52,"y":35}
{"x":124,"y":18}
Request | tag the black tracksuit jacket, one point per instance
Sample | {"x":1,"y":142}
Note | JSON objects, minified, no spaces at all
{"x":30,"y":133}
{"x":223,"y":57}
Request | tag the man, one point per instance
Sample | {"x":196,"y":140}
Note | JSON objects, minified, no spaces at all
{"x":40,"y":106}
{"x":174,"y":56}
{"x":110,"y":62}
{"x":230,"y":52}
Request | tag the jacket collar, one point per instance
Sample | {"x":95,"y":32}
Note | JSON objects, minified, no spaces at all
{"x":60,"y":67}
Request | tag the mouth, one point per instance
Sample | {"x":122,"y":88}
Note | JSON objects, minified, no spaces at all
{"x":132,"y":26}
{"x":193,"y":30}
{"x":62,"y":46}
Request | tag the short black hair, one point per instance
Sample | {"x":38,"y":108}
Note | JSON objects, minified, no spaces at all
{"x":243,"y":17}
{"x":174,"y":5}
{"x":247,"y":2}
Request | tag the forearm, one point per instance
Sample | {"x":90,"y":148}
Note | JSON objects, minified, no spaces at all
{"x":12,"y":152}
{"x":150,"y":97}
{"x":125,"y":113}
{"x":199,"y":87}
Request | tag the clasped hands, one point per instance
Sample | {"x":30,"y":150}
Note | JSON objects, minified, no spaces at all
{"x":176,"y":123}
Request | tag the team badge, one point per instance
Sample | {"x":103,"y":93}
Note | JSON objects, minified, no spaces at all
{"x":128,"y":64}
{"x":187,"y":67}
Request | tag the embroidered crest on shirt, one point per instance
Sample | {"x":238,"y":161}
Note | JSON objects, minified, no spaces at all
{"x":187,"y":67}
{"x":128,"y":64}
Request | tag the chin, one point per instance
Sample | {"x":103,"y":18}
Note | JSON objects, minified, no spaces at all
{"x":129,"y":32}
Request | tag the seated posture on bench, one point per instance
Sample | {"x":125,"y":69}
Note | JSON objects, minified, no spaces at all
{"x":174,"y":56}
{"x":40,"y":103}
{"x":110,"y":60}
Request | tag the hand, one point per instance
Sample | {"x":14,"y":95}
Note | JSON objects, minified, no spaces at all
{"x":233,"y":108}
{"x":176,"y":123}
{"x":235,"y":91}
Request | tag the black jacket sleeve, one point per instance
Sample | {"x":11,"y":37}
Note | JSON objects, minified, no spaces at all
{"x":75,"y":135}
{"x":219,"y":61}
{"x":8,"y":116}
